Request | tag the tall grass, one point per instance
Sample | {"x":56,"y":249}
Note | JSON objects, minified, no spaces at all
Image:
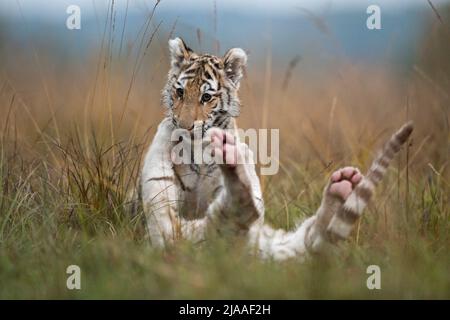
{"x":71,"y":150}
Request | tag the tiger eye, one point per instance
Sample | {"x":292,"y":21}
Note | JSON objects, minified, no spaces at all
{"x":206,"y":97}
{"x":180,"y":92}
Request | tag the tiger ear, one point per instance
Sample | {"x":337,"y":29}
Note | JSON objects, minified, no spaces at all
{"x":179,"y":52}
{"x":234,"y":62}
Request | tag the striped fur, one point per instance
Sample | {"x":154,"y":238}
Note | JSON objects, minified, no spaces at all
{"x":194,"y":76}
{"x":343,"y":221}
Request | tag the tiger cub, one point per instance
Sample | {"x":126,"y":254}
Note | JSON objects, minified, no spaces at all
{"x":190,"y":200}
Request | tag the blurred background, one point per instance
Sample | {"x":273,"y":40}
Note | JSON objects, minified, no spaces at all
{"x":310,"y":62}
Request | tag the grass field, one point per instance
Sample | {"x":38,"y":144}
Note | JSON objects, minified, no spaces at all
{"x":72,"y":139}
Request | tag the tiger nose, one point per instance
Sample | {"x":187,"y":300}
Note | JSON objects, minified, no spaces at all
{"x":198,"y":114}
{"x":198,"y":124}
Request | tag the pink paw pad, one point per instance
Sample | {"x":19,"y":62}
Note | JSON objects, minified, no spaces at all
{"x":343,"y":181}
{"x":224,"y":146}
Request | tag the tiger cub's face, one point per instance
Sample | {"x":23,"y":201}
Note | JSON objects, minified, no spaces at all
{"x":202,"y":87}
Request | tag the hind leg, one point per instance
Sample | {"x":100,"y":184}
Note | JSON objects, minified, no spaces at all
{"x":341,"y":184}
{"x":310,"y":235}
{"x":343,"y":181}
{"x":344,"y":199}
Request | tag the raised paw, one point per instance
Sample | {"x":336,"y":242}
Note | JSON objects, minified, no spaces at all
{"x":224,"y":148}
{"x":343,"y":181}
{"x":234,"y":157}
{"x":236,"y":162}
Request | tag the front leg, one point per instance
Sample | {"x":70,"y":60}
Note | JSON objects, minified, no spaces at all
{"x":240,"y":202}
{"x":162,"y":196}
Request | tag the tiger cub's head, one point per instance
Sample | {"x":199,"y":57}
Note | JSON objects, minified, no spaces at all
{"x":203,"y":87}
